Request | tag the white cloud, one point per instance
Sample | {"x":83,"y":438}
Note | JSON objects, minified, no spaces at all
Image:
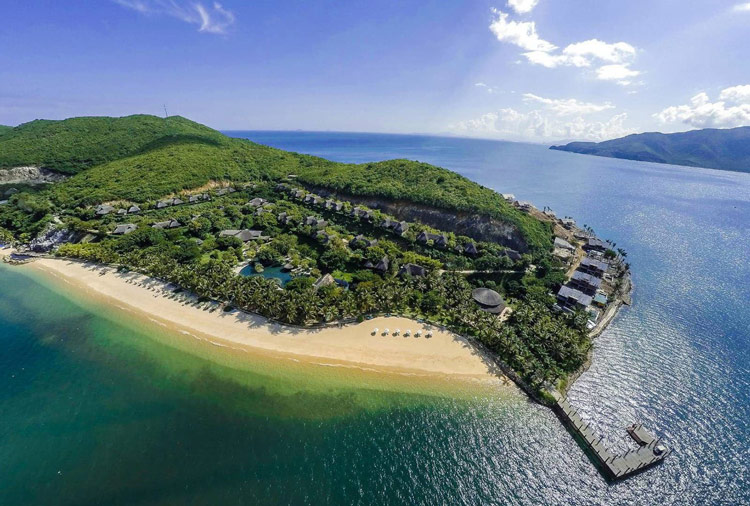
{"x":567,"y":106}
{"x":520,"y":33}
{"x":581,"y":54}
{"x":732,"y":110}
{"x":613,"y":58}
{"x":214,"y":19}
{"x":538,"y":125}
{"x":619,"y":73}
{"x":736,"y":94}
{"x":522,"y":6}
{"x":744,"y":7}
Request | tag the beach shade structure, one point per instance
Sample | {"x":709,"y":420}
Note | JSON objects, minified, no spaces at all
{"x":396,"y":332}
{"x":385,"y":332}
{"x":429,"y":333}
{"x":418,"y":333}
{"x":407,"y":333}
{"x":374,"y":331}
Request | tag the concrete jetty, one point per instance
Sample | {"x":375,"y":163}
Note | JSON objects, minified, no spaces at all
{"x":650,"y":451}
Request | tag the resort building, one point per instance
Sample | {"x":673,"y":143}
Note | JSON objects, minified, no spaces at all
{"x":364,"y":241}
{"x":595,"y":244}
{"x":489,"y":301}
{"x":324,"y":280}
{"x":437,"y":239}
{"x":471,"y":249}
{"x":223,"y":191}
{"x":400,"y":227}
{"x":104,"y":209}
{"x":123,"y":229}
{"x":134,"y":209}
{"x":585,"y":283}
{"x":382,"y":266}
{"x":508,"y":197}
{"x":244,"y":235}
{"x":315,"y":222}
{"x":600,"y":299}
{"x":412,"y":270}
{"x":167,"y":224}
{"x":568,"y":223}
{"x":563,"y":244}
{"x":285,"y":219}
{"x":572,"y":299}
{"x":525,"y":206}
{"x":364,"y":214}
{"x":257,"y":202}
{"x":593,"y":266}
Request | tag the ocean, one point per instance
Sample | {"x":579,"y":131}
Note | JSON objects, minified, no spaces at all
{"x":96,"y":408}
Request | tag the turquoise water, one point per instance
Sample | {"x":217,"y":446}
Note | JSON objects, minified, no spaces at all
{"x":125,"y":418}
{"x":268,"y":273}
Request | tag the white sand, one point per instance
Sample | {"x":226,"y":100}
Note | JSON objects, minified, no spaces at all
{"x":444,"y":353}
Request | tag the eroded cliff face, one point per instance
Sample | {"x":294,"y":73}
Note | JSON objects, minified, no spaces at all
{"x":29,"y":175}
{"x":479,"y":227}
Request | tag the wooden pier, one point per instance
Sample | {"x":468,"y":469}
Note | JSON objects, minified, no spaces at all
{"x":651,"y":451}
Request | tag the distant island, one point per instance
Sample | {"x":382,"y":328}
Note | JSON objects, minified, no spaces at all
{"x":726,"y":149}
{"x":303,"y":241}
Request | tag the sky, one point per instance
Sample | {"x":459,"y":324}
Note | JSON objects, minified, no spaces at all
{"x":531,"y":70}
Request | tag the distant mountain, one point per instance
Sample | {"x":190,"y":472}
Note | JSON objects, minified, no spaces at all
{"x":712,"y":148}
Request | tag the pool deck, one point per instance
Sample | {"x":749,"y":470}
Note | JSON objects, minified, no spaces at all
{"x":616,"y":467}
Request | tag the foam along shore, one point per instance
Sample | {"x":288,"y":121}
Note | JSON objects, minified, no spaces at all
{"x":443,"y":354}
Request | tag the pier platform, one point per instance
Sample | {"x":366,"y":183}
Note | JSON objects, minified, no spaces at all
{"x":650,"y":451}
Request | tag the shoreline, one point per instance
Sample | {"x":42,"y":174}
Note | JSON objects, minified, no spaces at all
{"x":444,"y":355}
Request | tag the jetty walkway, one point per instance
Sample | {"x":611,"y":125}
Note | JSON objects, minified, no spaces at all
{"x":650,"y":451}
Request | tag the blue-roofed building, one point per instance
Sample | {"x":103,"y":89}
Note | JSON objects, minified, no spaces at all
{"x":600,"y":300}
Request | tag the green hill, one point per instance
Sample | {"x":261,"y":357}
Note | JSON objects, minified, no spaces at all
{"x":5,"y":129}
{"x":72,"y":145}
{"x":712,"y":148}
{"x":142,"y":158}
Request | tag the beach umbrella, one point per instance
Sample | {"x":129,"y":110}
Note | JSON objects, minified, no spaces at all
{"x":375,"y":330}
{"x":396,"y":332}
{"x":385,"y":331}
{"x":417,"y":333}
{"x":429,"y":334}
{"x":407,"y":333}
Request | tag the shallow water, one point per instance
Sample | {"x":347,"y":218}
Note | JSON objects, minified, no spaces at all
{"x":99,"y":409}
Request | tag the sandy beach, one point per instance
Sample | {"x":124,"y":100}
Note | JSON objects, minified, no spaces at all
{"x":444,"y":354}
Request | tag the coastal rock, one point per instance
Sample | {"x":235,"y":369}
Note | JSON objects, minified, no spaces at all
{"x":29,"y":175}
{"x":50,"y":238}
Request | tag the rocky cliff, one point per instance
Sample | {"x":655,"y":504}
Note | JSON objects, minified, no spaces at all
{"x":479,"y":227}
{"x":29,"y":175}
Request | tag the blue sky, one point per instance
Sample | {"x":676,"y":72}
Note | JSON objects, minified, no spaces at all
{"x":538,"y":70}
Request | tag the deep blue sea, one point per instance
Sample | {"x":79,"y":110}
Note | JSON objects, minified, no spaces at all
{"x":94,"y":410}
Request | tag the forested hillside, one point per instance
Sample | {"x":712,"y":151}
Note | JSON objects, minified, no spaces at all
{"x":72,"y":145}
{"x":142,"y":158}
